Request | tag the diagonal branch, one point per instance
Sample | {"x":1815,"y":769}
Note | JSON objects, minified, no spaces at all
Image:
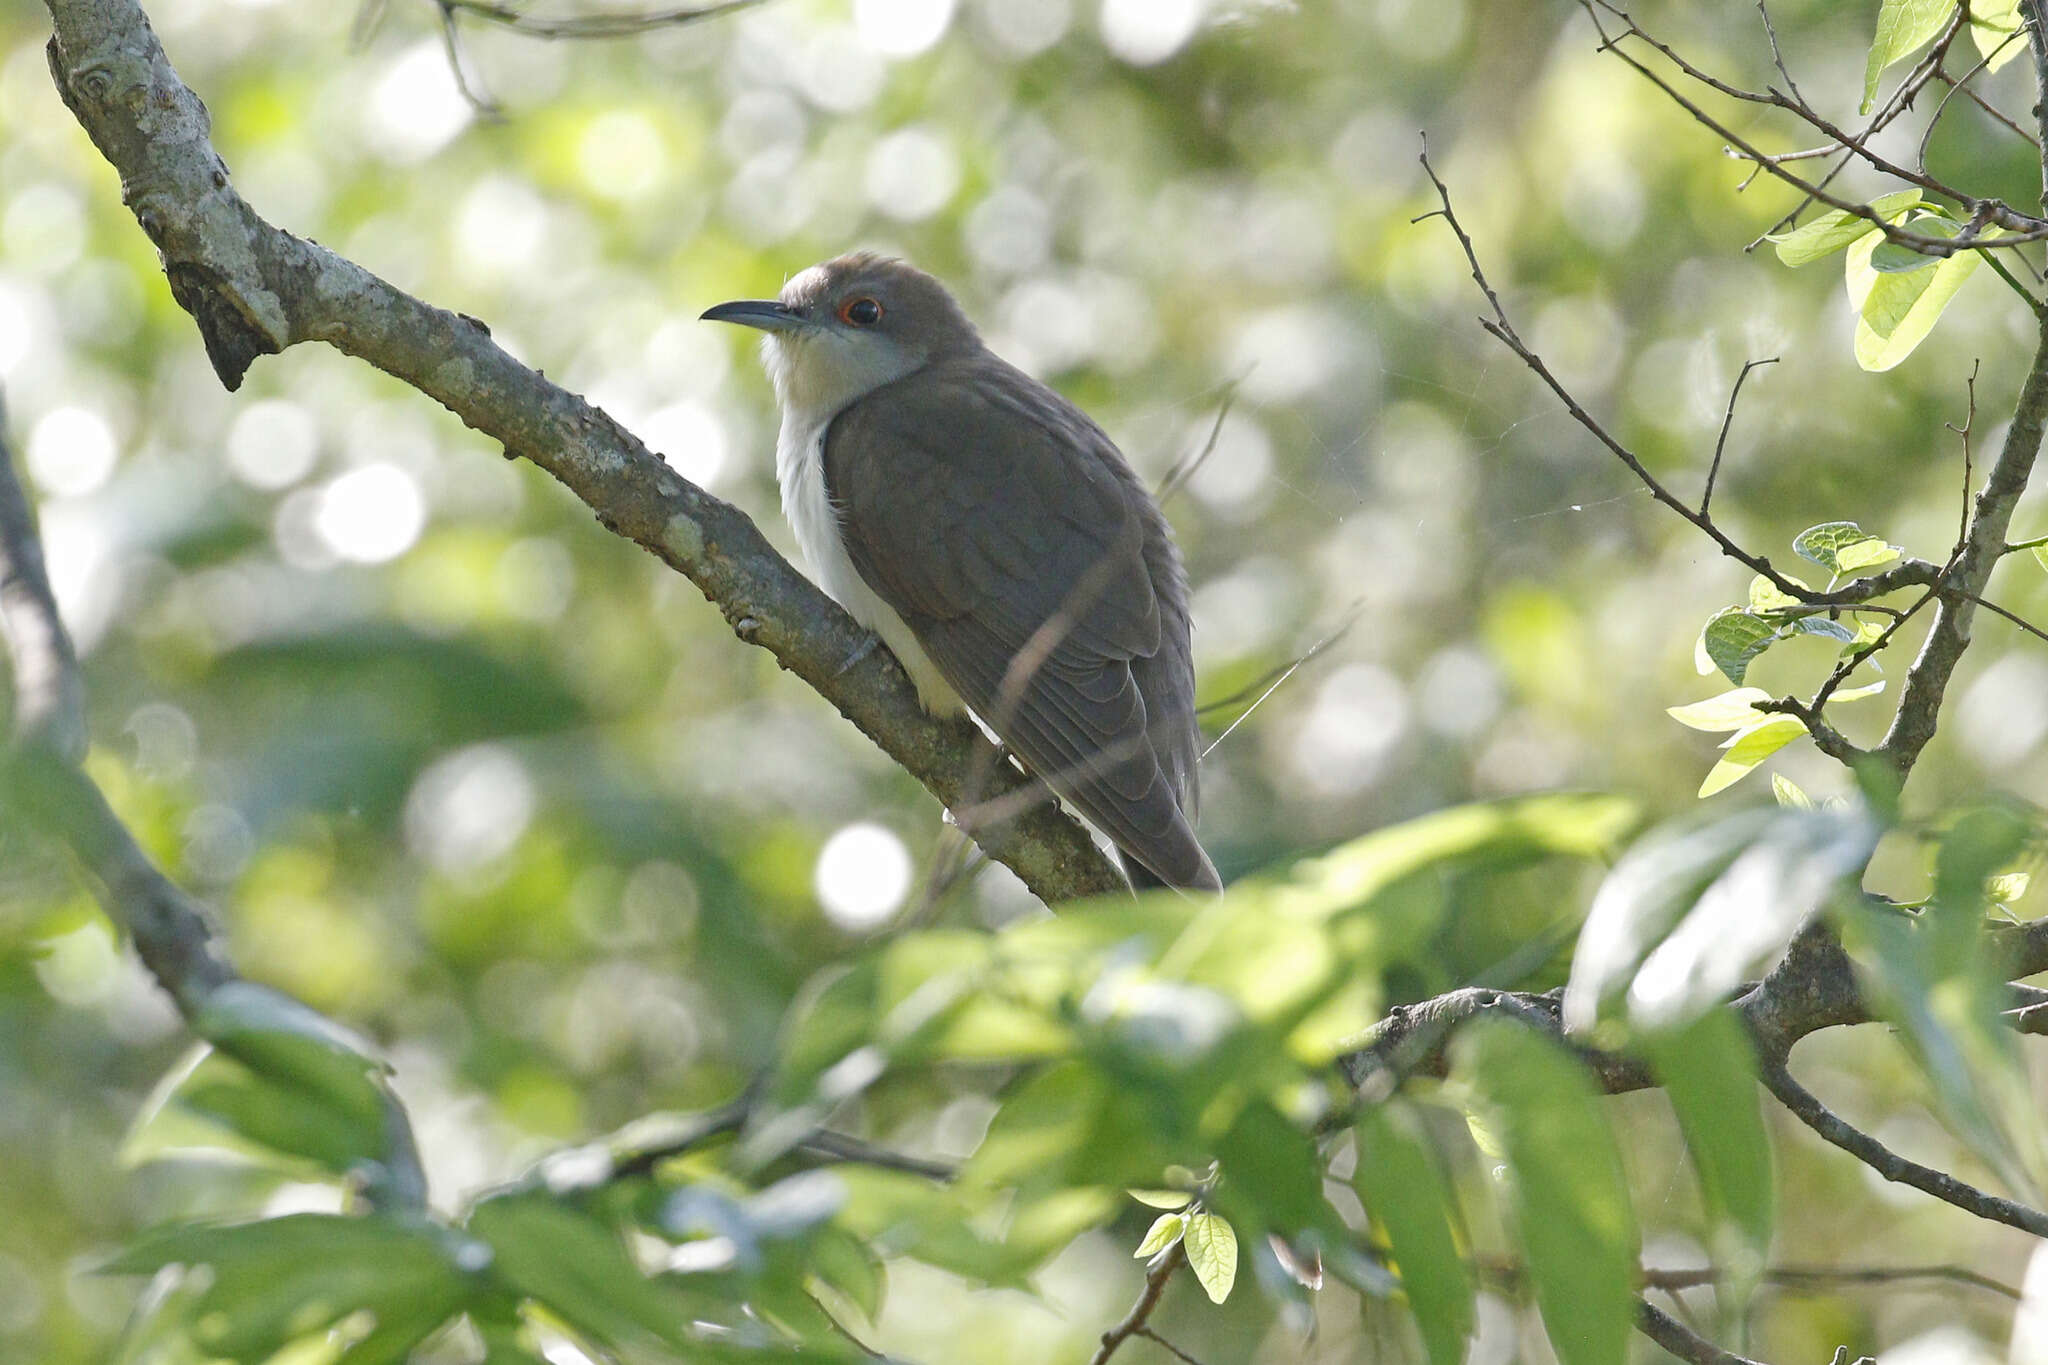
{"x":1807,"y":1108}
{"x":173,"y":934}
{"x":49,"y":698}
{"x":254,"y":290}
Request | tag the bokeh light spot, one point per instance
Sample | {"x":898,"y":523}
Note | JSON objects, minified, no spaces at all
{"x":1145,"y":32}
{"x":371,"y":514}
{"x":901,"y":28}
{"x":912,"y":174}
{"x":273,"y":444}
{"x":863,"y":875}
{"x":417,"y":108}
{"x":70,"y":452}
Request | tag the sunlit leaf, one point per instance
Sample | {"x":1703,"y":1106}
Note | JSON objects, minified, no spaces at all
{"x":1732,"y":637}
{"x":1750,"y":746}
{"x":1766,"y":597}
{"x":1838,"y":228}
{"x":1211,"y":1245}
{"x":1569,"y":1196}
{"x":1405,"y":1195}
{"x":1843,"y":547}
{"x":1903,"y":28}
{"x":1995,"y":28}
{"x":1164,"y":1232}
{"x":1161,"y":1199}
{"x":1687,"y":914}
{"x":1789,"y":793}
{"x":1728,"y":711}
{"x":1897,"y":258}
{"x":1895,"y":312}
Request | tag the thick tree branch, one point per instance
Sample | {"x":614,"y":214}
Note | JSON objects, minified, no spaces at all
{"x":254,"y":290}
{"x":1813,"y":987}
{"x":1920,"y":697}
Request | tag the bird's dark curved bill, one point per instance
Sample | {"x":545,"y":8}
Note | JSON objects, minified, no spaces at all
{"x":766,"y":314}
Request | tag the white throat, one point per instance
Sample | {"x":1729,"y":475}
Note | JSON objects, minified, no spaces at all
{"x":811,"y":395}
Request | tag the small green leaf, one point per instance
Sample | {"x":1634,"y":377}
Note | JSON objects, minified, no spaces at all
{"x":1569,"y":1196}
{"x":1838,"y":228}
{"x":1212,"y":1254}
{"x":1789,"y":793}
{"x":1161,"y":1199}
{"x":579,"y":1270}
{"x":2041,"y":555}
{"x":1765,"y":596}
{"x":1403,"y":1191}
{"x":2007,"y":887}
{"x":1896,"y":312}
{"x":1729,"y":711}
{"x":1748,"y":747}
{"x":1903,"y":28}
{"x":1733,"y":637}
{"x":1843,"y":547}
{"x":1896,"y":258}
{"x":1859,"y":693}
{"x":1165,"y":1231}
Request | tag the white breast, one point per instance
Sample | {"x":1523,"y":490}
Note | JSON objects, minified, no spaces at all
{"x":800,"y":470}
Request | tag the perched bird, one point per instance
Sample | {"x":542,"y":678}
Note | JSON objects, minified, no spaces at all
{"x":995,"y":540}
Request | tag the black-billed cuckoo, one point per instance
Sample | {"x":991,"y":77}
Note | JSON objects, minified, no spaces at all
{"x":995,"y":540}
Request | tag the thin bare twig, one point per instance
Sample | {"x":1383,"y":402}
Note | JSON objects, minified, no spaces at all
{"x":1817,"y":1277}
{"x":1728,"y":418}
{"x":1502,"y":329}
{"x":1808,"y":1109}
{"x":590,"y":25}
{"x":1156,"y":1275}
{"x":1675,"y":1337}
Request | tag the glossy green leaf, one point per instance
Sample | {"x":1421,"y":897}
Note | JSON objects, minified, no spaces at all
{"x":1837,"y":228}
{"x":1211,"y":1245}
{"x":1903,"y":28}
{"x":1568,"y":1194}
{"x":1708,"y":1069}
{"x":1404,"y":1193}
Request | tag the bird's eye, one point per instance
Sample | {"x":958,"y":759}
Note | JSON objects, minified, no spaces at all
{"x":861,"y":312}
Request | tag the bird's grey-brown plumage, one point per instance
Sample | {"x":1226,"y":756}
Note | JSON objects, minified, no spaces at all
{"x":1010,"y":537}
{"x":1004,"y":512}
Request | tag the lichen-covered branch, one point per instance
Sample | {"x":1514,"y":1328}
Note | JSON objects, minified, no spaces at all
{"x":254,"y":289}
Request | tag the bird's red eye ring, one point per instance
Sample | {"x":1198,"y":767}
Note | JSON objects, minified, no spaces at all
{"x":860,"y":312}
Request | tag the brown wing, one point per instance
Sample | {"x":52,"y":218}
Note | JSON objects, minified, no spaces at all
{"x":1009,"y":534}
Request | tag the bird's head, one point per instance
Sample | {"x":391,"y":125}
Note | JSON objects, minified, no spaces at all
{"x":849,"y":326}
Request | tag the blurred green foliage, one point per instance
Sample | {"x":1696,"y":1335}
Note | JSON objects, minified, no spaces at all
{"x":489,"y":786}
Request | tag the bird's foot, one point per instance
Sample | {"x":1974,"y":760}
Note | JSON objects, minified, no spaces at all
{"x":861,"y":651}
